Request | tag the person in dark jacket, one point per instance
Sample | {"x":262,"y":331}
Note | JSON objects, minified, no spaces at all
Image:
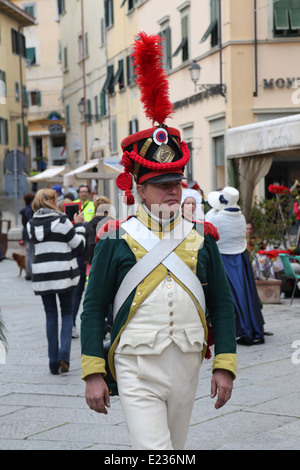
{"x":27,"y":214}
{"x":55,"y":271}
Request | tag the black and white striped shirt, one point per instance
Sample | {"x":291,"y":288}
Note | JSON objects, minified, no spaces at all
{"x":56,"y":243}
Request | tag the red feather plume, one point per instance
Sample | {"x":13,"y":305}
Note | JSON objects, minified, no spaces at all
{"x":151,"y":77}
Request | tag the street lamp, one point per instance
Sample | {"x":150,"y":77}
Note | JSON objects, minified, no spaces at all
{"x":82,"y":111}
{"x":213,"y":88}
{"x":81,"y":107}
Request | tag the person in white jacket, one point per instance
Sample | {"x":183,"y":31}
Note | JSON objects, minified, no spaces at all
{"x":232,"y":244}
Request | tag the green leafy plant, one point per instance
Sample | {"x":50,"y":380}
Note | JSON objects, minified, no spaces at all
{"x":272,"y":218}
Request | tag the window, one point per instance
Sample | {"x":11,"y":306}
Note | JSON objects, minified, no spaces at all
{"x":3,"y":91}
{"x":59,"y":51}
{"x":61,"y":6}
{"x":131,"y":4}
{"x":213,"y":28}
{"x":109,"y":13}
{"x":19,"y":134}
{"x":133,"y":126}
{"x":65,"y":58}
{"x":131,"y":76}
{"x":88,"y":111}
{"x":219,"y":159}
{"x":166,"y":47}
{"x":286,"y":18}
{"x":18,"y":43}
{"x":30,"y":56}
{"x":96,"y":107}
{"x":103,"y":104}
{"x":17,"y":91}
{"x":31,"y":9}
{"x":184,"y":44}
{"x":119,"y":77}
{"x":25,"y":97}
{"x":67,"y":115}
{"x":35,"y":98}
{"x":102,"y":32}
{"x":114,"y":140}
{"x":109,"y":82}
{"x":86,"y":46}
{"x":3,"y":131}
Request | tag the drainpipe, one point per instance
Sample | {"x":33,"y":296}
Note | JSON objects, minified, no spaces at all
{"x":255,"y":49}
{"x":84,"y":83}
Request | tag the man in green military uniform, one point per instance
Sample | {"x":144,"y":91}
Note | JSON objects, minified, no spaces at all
{"x":162,"y":274}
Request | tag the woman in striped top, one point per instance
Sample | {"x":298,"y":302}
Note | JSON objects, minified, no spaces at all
{"x":55,"y":271}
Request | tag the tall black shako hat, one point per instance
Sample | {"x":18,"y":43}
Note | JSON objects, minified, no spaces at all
{"x":156,"y":154}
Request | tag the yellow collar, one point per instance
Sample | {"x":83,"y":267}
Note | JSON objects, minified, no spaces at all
{"x":159,"y":226}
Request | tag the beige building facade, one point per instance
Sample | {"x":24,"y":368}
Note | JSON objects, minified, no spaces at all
{"x":44,"y":84}
{"x":13,"y":119}
{"x":247,"y":53}
{"x":251,"y":47}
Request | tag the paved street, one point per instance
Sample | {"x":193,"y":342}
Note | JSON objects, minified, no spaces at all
{"x":42,"y":411}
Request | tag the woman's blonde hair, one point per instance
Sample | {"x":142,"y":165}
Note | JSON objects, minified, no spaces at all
{"x":44,"y":198}
{"x":61,"y":203}
{"x":102,"y":205}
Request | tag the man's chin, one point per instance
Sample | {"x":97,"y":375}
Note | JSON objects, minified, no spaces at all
{"x":166,"y":211}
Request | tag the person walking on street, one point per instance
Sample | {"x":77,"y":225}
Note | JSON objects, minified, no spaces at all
{"x":231,"y":225}
{"x":162,"y":274}
{"x":55,"y":271}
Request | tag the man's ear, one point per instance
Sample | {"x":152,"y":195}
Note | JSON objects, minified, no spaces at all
{"x":141,"y":191}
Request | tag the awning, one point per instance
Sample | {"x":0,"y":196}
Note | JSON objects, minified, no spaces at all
{"x":276,"y":137}
{"x":253,"y":148}
{"x":52,"y":173}
{"x":112,"y":169}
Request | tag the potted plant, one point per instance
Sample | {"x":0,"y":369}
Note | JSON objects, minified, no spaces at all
{"x":272,"y":219}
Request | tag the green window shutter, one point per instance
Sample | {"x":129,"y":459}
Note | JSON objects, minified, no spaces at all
{"x":209,"y":30}
{"x":6,"y":131}
{"x":67,"y":115}
{"x":180,"y":47}
{"x":17,"y":91}
{"x":38,"y":98}
{"x":30,"y":9}
{"x":26,"y":136}
{"x":281,"y":19}
{"x":108,"y":84}
{"x":19,"y":134}
{"x":295,"y":18}
{"x":167,"y":34}
{"x":86,"y":44}
{"x":96,"y":107}
{"x":30,"y":55}
{"x":65,"y":58}
{"x":102,"y":104}
{"x":88,"y":111}
{"x":59,"y":51}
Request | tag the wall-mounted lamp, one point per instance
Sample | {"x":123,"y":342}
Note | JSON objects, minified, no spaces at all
{"x":82,"y":111}
{"x":213,"y":88}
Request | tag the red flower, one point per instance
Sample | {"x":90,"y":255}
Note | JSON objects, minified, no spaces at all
{"x":278,"y":189}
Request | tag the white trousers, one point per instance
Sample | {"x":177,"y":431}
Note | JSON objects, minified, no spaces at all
{"x":157,"y":394}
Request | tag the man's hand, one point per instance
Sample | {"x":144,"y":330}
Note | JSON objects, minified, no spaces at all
{"x":221,"y":382}
{"x":96,"y":393}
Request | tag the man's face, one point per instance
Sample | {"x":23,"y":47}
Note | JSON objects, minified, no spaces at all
{"x":162,"y":199}
{"x":83,"y":194}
